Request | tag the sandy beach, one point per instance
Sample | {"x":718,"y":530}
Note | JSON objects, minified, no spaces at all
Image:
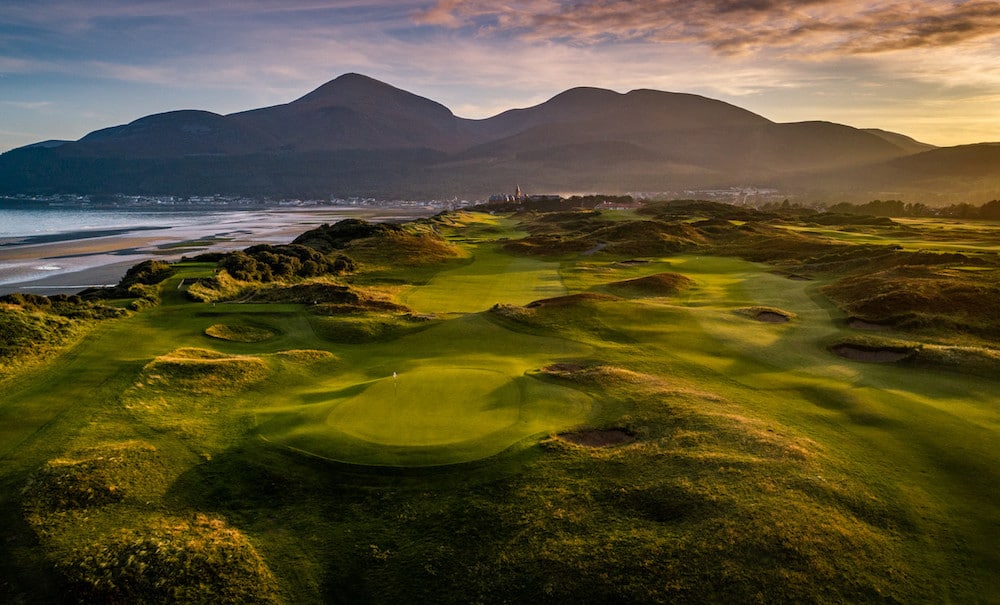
{"x":67,"y":262}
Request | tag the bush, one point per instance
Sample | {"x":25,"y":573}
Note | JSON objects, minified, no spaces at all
{"x":146,"y":273}
{"x":266,"y":263}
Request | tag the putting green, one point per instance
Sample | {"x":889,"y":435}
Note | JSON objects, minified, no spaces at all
{"x":426,"y":417}
{"x":462,"y":393}
{"x":430,"y":407}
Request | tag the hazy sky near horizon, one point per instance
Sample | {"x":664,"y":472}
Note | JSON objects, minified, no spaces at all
{"x":927,"y":69}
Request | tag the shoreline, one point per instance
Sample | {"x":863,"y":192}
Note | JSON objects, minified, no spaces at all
{"x":70,"y":261}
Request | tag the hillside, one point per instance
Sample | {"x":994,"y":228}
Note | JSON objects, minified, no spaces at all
{"x":358,"y":136}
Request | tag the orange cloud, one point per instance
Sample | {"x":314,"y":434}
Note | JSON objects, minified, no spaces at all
{"x":734,"y":26}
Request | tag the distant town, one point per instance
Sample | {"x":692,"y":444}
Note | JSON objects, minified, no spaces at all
{"x":742,"y":196}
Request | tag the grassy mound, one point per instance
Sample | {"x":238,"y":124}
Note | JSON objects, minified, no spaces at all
{"x":975,"y":360}
{"x":579,"y":315}
{"x":404,"y":248}
{"x":202,"y":371}
{"x":338,"y":235}
{"x":661,"y":284}
{"x":598,"y":437}
{"x":26,"y":336}
{"x":598,"y":374}
{"x":925,"y":298}
{"x":306,"y":356}
{"x":872,"y":354}
{"x":196,"y":560}
{"x":325,"y":293}
{"x":222,"y":286}
{"x":94,"y":477}
{"x":196,"y":394}
{"x":363,"y":328}
{"x":239,"y":333}
{"x":569,"y":300}
{"x":648,"y":238}
{"x":580,"y":233}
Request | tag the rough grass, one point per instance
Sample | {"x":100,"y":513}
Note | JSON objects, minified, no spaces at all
{"x":407,"y":249}
{"x":364,"y":328}
{"x":28,"y":336}
{"x":306,"y":356}
{"x":975,"y":360}
{"x":660,"y":284}
{"x":195,"y":394}
{"x":921,"y":297}
{"x":582,"y":235}
{"x":94,"y":476}
{"x":171,"y":560}
{"x":202,"y":372}
{"x":220,"y":287}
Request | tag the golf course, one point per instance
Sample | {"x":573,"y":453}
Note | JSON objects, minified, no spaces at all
{"x":688,"y":403}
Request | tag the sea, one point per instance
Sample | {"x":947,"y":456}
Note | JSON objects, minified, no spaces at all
{"x":34,"y":223}
{"x":64,"y":249}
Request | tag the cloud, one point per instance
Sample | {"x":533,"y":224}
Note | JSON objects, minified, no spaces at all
{"x":32,"y":105}
{"x":733,"y":26}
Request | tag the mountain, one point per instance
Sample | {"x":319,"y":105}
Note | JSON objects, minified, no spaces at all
{"x":358,"y":112}
{"x":358,"y":136}
{"x":906,"y":143}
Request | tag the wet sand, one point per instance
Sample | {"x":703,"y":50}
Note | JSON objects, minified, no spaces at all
{"x":68,"y":262}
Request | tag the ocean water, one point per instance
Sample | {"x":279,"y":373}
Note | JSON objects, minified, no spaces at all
{"x":21,"y":223}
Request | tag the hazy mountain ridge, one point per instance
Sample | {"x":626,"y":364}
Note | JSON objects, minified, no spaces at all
{"x":358,"y":136}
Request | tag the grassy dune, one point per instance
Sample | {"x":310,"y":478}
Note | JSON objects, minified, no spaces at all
{"x":572,"y":424}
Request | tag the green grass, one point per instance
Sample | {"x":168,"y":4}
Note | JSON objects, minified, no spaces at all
{"x":448,"y":404}
{"x":491,"y":278}
{"x":763,"y":467}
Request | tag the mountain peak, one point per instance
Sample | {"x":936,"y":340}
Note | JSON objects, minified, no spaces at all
{"x":347,"y":84}
{"x":365,"y":94}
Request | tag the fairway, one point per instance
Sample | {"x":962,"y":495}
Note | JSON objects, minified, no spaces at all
{"x":491,"y":278}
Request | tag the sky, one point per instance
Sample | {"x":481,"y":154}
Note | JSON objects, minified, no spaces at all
{"x":930,"y":70}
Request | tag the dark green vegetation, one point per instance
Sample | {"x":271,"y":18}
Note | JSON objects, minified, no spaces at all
{"x":694,"y":403}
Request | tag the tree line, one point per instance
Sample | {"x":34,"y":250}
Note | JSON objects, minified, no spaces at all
{"x":895,"y":208}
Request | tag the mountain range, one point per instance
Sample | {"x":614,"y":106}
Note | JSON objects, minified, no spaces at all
{"x":358,"y":136}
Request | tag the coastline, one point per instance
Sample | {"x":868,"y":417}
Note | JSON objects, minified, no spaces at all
{"x":70,"y":261}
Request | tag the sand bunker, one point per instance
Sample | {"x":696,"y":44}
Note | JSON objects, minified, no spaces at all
{"x":871,"y":355}
{"x":769,"y":315}
{"x":771,"y":318}
{"x":860,"y":324}
{"x":598,"y":437}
